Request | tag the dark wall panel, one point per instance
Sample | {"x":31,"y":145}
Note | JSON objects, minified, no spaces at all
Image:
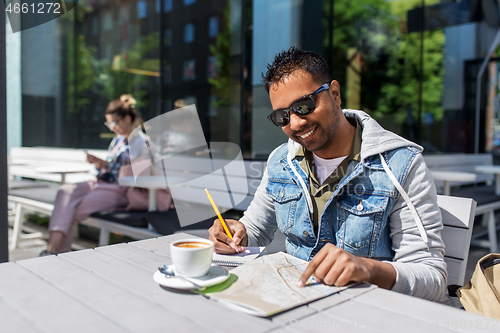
{"x":4,"y":225}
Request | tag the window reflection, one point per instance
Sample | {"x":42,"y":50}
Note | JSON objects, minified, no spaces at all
{"x":168,"y":37}
{"x":419,"y":84}
{"x":189,"y":72}
{"x":142,"y":9}
{"x":167,"y":6}
{"x":127,"y":57}
{"x":189,"y":33}
{"x":213,"y":27}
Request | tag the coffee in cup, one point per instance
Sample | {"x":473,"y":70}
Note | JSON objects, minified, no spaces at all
{"x":192,"y":244}
{"x":191,"y":257}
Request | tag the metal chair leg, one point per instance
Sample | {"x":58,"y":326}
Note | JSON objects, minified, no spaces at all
{"x":103,"y":237}
{"x":492,"y":232}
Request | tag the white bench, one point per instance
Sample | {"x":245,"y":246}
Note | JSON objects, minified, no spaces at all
{"x":188,"y":197}
{"x":463,"y":166}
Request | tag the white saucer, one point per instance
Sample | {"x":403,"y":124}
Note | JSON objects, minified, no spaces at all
{"x":215,"y":275}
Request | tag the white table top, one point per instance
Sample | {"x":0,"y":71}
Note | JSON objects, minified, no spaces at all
{"x":488,"y":169}
{"x":111,"y":289}
{"x":454,"y":176}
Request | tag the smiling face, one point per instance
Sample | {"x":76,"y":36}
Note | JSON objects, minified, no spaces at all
{"x":319,"y":131}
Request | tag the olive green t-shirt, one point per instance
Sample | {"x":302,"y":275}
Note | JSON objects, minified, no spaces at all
{"x":321,"y":193}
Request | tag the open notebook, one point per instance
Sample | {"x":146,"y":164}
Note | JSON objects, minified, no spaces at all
{"x":238,"y":259}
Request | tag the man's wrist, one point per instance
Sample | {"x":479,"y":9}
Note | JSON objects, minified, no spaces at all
{"x":380,"y":273}
{"x":244,"y":241}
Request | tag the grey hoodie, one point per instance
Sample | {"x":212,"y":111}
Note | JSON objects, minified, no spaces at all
{"x":421,"y":270}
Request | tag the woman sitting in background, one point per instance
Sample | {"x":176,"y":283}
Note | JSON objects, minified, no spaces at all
{"x":75,"y":202}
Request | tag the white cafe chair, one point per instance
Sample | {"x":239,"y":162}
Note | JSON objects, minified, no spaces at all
{"x":458,"y":220}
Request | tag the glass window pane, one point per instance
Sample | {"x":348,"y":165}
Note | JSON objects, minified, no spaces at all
{"x":113,"y":48}
{"x":189,"y":33}
{"x":107,"y":19}
{"x":189,"y":71}
{"x":211,"y":67}
{"x":213,"y":27}
{"x":167,"y":6}
{"x":95,"y":26}
{"x":168,"y":37}
{"x":284,"y":21}
{"x":142,"y":9}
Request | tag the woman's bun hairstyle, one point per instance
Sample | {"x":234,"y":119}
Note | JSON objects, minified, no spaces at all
{"x":127,"y":100}
{"x":123,"y":106}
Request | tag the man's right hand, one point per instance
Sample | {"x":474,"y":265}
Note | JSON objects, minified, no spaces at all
{"x":223,"y":243}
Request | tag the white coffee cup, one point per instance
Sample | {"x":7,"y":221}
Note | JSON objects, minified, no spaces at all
{"x":192,"y":257}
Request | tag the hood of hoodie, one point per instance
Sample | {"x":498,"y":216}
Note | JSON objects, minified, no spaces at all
{"x":375,"y":139}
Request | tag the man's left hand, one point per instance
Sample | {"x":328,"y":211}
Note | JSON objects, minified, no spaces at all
{"x":335,"y":266}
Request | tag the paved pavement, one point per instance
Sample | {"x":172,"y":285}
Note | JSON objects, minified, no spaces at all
{"x":31,"y":248}
{"x":475,"y":253}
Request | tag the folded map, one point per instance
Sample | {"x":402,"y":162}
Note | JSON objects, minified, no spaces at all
{"x":268,"y":285}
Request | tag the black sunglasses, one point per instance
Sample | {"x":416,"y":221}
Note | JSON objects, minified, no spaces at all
{"x":303,"y":106}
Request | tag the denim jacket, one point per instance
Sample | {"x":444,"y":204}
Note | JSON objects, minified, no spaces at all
{"x":366,"y":214}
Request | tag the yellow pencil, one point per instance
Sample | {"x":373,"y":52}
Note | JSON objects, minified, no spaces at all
{"x":218,"y":214}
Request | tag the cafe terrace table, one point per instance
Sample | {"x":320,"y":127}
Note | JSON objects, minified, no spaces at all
{"x":447,"y":176}
{"x":63,"y":170}
{"x":491,"y":169}
{"x":111,"y":289}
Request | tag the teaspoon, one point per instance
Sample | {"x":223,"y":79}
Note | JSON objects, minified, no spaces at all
{"x":168,"y":271}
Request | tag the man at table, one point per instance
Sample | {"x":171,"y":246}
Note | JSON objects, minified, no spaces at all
{"x":355,"y":200}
